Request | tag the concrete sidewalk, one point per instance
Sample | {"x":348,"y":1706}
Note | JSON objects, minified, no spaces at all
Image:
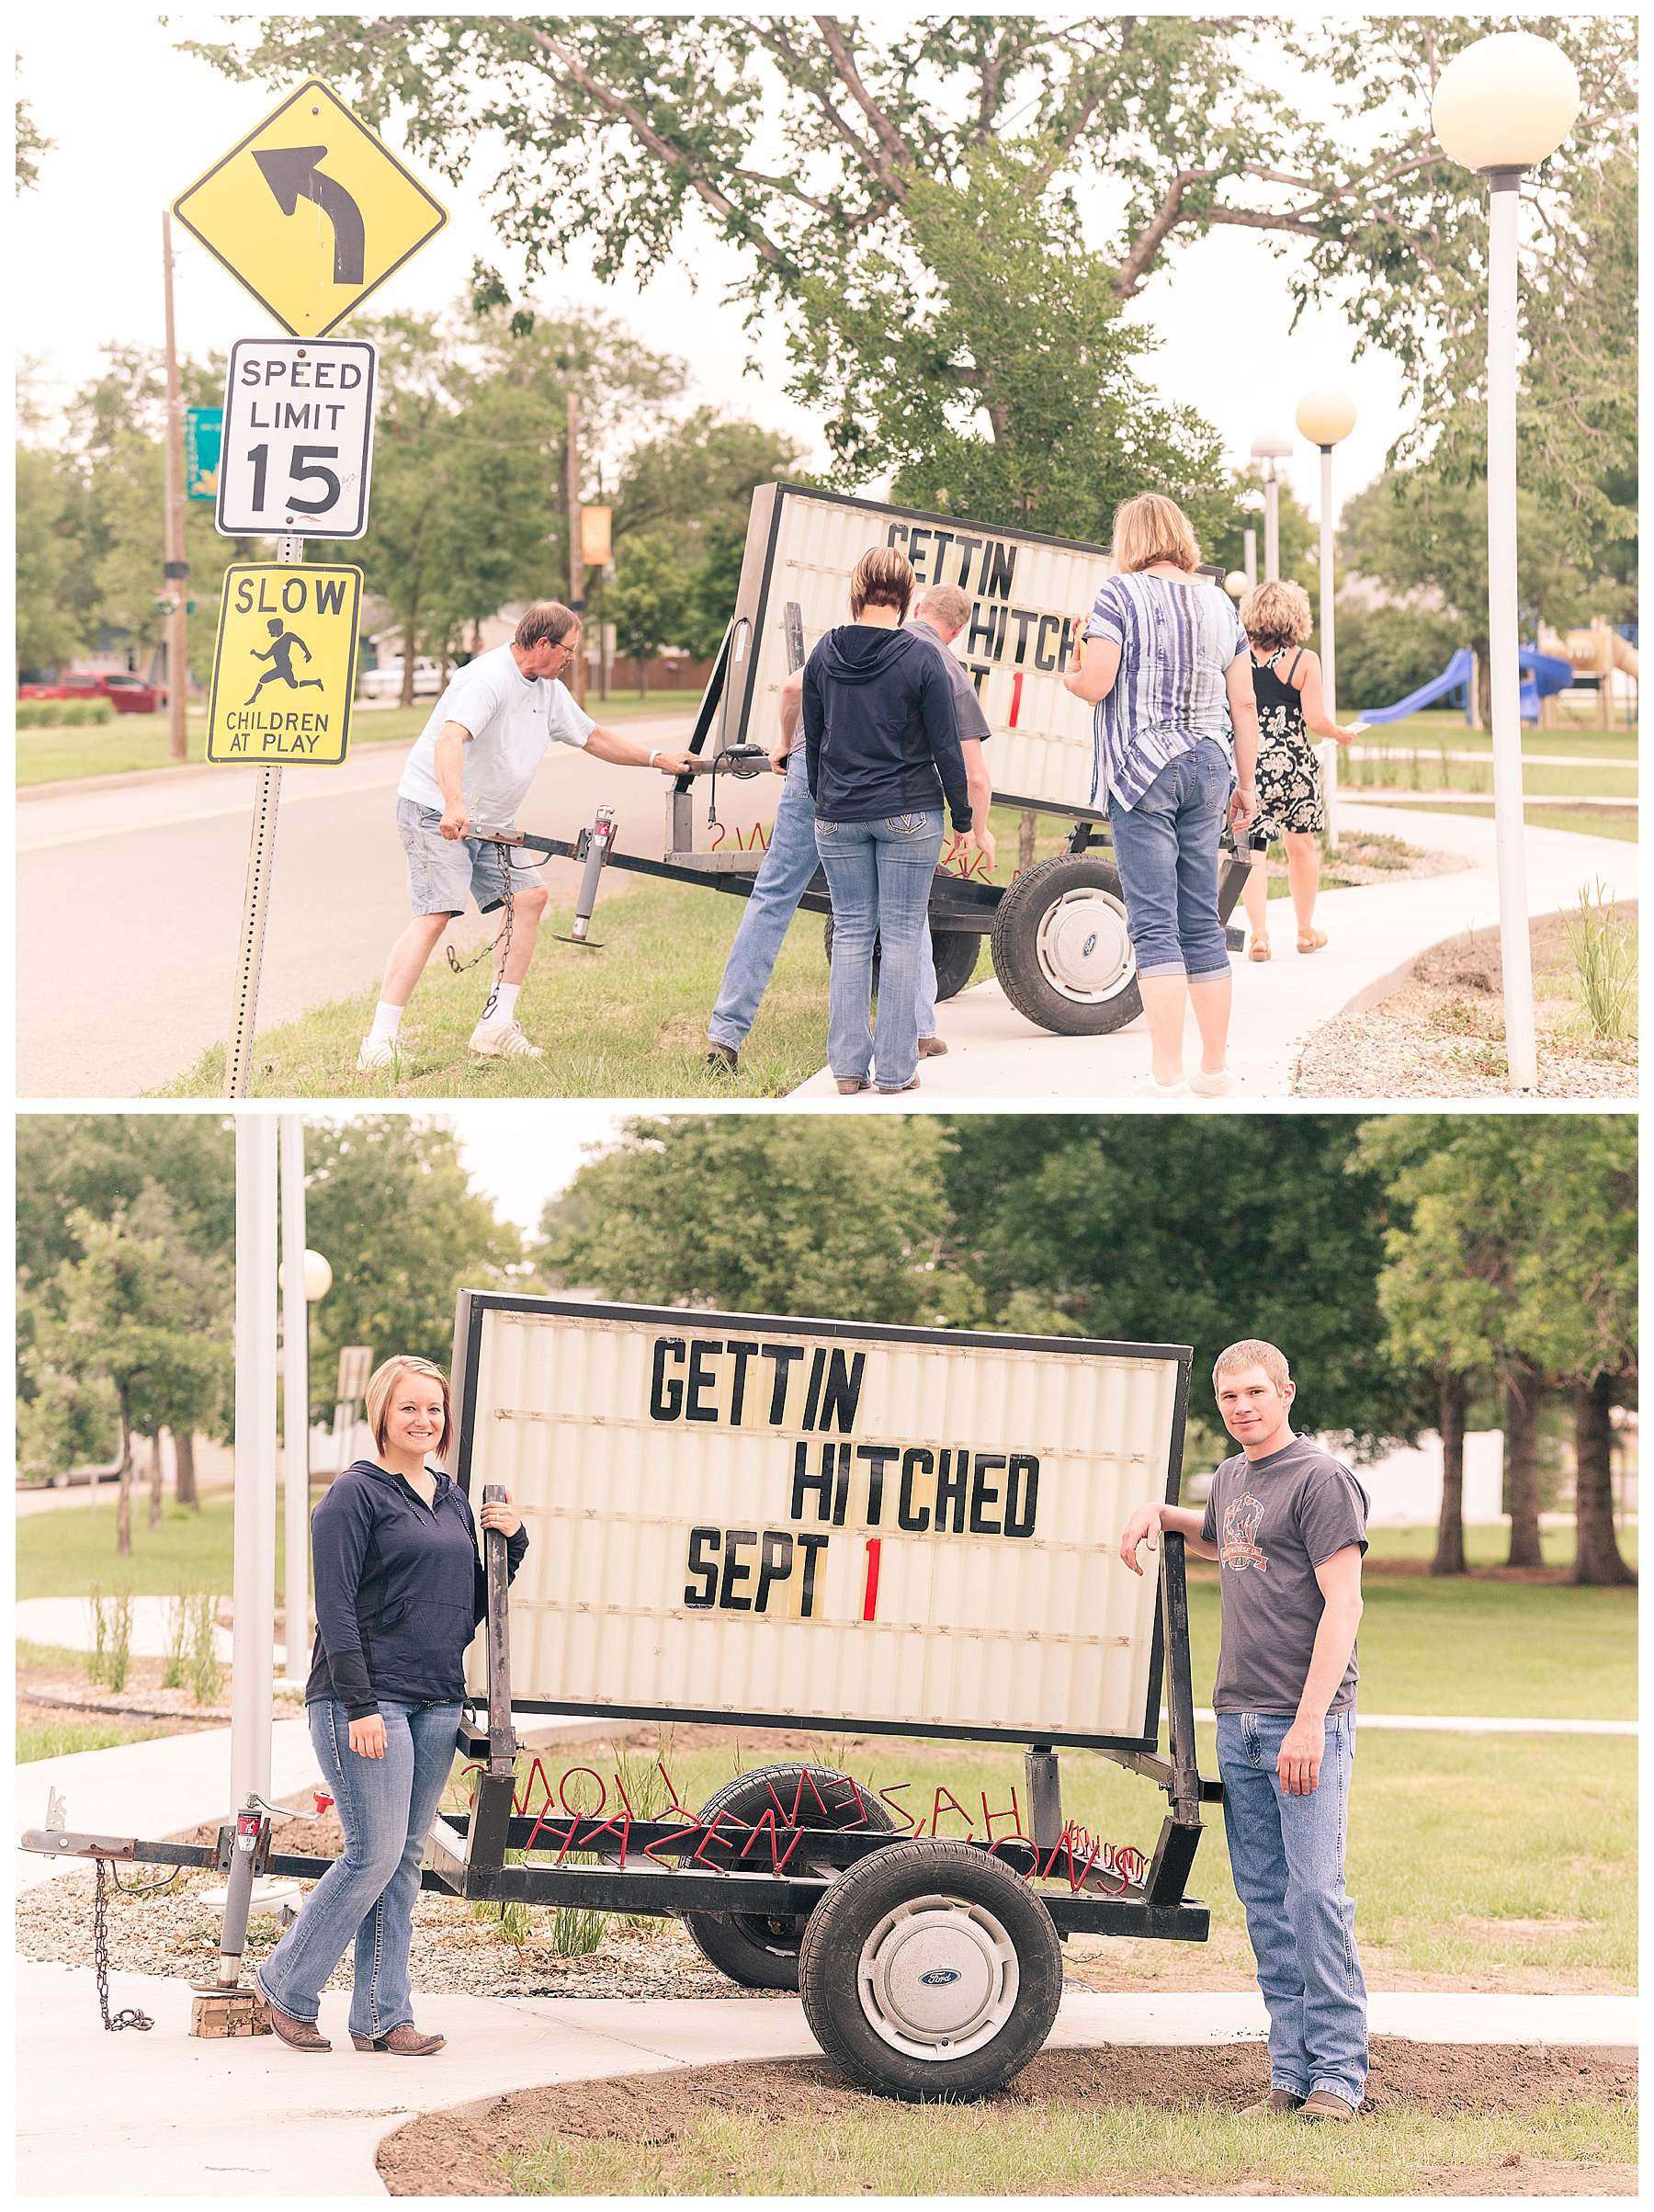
{"x":1375,"y":932}
{"x":177,"y":2117}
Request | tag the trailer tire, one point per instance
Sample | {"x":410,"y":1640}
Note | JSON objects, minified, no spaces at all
{"x":1061,"y":948}
{"x":955,"y":952}
{"x":924,"y":1950}
{"x":754,"y":1949}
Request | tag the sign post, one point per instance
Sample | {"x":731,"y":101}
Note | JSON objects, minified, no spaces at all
{"x":295,"y":1398}
{"x":174,"y":591}
{"x":312,"y":212}
{"x":254,"y":1588}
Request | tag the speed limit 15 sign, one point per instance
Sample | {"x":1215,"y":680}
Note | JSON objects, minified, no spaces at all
{"x":297,"y":443}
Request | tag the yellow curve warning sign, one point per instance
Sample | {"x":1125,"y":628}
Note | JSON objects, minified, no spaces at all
{"x":312,"y":212}
{"x":285,"y":668}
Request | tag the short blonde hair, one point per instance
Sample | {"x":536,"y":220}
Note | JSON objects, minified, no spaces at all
{"x":1253,"y":1351}
{"x":946,"y":602}
{"x":882,"y":577}
{"x":1277,"y":613}
{"x":1153,"y":528}
{"x":381,"y":1389}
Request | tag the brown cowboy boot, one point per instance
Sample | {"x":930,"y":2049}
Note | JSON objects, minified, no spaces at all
{"x":300,"y":2033}
{"x":405,"y":2041}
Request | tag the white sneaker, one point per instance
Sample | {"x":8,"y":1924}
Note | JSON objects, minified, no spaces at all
{"x":375,"y":1054}
{"x":503,"y":1040}
{"x":1211,"y":1086}
{"x":1149,"y":1086}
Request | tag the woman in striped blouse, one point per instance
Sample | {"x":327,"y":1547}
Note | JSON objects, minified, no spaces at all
{"x":1167,"y":668}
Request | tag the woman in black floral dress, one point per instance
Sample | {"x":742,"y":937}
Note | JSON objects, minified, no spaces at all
{"x":1286,"y":682}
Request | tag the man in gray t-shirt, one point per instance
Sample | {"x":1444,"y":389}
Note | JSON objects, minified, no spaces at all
{"x":1287,"y":1524}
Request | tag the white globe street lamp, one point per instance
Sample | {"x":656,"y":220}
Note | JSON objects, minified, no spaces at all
{"x":1502,"y":105}
{"x":1270,"y":447}
{"x":1326,"y":417}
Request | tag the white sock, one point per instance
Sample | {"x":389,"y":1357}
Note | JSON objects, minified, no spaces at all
{"x":502,"y":1007}
{"x":387,"y":1020}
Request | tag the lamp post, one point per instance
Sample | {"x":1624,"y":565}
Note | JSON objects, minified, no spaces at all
{"x":1326,"y":417}
{"x":1269,"y":449}
{"x":295,"y":1394}
{"x":1500,"y":106}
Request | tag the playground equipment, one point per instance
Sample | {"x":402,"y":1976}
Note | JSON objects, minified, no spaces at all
{"x":1595,"y":657}
{"x":849,"y":1529}
{"x":1545,"y":674}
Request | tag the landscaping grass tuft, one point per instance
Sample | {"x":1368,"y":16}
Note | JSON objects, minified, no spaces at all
{"x":63,"y":1554}
{"x":60,"y":1739}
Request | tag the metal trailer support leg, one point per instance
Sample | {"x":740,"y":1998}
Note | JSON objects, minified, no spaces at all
{"x":222,"y":2007}
{"x":1045,"y":1797}
{"x":1180,"y":1832}
{"x":599,"y":842}
{"x":492,"y":1808}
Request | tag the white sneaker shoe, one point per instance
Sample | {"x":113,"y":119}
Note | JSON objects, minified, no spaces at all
{"x":1211,"y":1086}
{"x":503,"y":1040}
{"x":376,"y":1054}
{"x":1149,"y":1086}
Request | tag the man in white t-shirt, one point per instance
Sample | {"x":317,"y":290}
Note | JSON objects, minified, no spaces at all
{"x":473,"y":763}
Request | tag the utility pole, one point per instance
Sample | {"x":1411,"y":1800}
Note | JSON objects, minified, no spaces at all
{"x":577,"y":565}
{"x":177,"y":570}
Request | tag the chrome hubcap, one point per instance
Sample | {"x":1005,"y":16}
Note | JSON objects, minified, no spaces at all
{"x":938,"y":1978}
{"x":1084,"y":947}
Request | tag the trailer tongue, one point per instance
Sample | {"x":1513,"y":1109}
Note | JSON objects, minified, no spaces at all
{"x":639,"y":1443}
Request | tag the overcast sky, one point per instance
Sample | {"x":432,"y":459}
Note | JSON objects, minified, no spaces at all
{"x":135,"y":121}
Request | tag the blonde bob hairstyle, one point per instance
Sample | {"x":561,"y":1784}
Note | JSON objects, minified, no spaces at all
{"x":882,"y":577}
{"x":1253,"y":1351}
{"x":383,"y":1386}
{"x":1277,"y":614}
{"x":1153,"y":528}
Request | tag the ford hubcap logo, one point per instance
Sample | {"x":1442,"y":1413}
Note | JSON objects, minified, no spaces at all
{"x":938,"y":1978}
{"x":1089,"y":947}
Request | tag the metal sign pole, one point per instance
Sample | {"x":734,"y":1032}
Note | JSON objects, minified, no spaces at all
{"x":253,"y":1595}
{"x":261,"y":862}
{"x":295,"y":1398}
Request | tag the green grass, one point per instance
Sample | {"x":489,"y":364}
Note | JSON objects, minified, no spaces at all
{"x":626,"y":1022}
{"x":1486,"y":1543}
{"x":1516,"y":1649}
{"x":1007,"y":2150}
{"x":1434,"y":727}
{"x":60,"y":1739}
{"x":63,"y":1554}
{"x":1588,"y":822}
{"x":31,"y":1654}
{"x":135,"y":741}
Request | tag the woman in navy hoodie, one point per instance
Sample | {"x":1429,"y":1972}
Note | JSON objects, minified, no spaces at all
{"x":400,"y":1589}
{"x":881,"y":747}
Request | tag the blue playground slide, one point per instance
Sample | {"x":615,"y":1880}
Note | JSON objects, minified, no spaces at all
{"x":1546,"y":674}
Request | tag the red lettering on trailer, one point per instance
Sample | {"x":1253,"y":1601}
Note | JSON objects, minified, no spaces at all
{"x":913,"y":1825}
{"x":989,"y":1818}
{"x":953,"y":1806}
{"x":871,"y":1594}
{"x":1016,"y":685}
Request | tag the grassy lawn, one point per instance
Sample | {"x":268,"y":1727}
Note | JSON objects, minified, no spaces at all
{"x":1586,"y":822}
{"x":133,"y":742}
{"x":1434,"y":727}
{"x":63,"y":1554}
{"x":1486,"y":1543}
{"x":58,"y":1740}
{"x":1419,"y":772}
{"x":1004,"y":2151}
{"x":627,"y":1022}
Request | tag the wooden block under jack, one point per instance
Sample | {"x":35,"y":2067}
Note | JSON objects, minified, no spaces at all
{"x":220,"y":2013}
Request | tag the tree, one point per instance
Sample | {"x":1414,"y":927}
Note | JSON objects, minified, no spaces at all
{"x":790,"y":1216}
{"x":389,"y":1203}
{"x":825,"y":150}
{"x":48,"y":511}
{"x":128,"y":1312}
{"x":1186,"y":1229}
{"x":31,"y":142}
{"x":1513,"y":1252}
{"x":647,"y":602}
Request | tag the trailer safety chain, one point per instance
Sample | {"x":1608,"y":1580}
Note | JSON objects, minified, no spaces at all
{"x":131,"y":2016}
{"x":499,"y":944}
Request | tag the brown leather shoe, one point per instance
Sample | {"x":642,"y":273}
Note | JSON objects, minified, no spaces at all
{"x":850,"y":1084}
{"x":300,"y":2033}
{"x":1278,"y":2100}
{"x":932,"y":1048}
{"x":1322,"y":2105}
{"x":406,"y":2042}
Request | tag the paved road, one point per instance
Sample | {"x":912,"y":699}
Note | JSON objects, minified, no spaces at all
{"x":130,"y":900}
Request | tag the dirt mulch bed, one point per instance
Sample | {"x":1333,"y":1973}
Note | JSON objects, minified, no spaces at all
{"x":1442,"y":1035}
{"x":458,"y":2153}
{"x":1379,"y":859}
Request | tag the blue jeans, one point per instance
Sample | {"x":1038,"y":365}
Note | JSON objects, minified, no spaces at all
{"x":783,"y":876}
{"x":1166,"y":848}
{"x":1288,"y":1857}
{"x":386,"y":1807}
{"x":879,"y":874}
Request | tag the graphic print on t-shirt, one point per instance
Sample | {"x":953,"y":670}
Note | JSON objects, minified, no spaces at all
{"x":1239,"y":1548}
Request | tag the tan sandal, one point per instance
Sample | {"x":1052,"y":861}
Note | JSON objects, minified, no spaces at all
{"x":1259,"y":948}
{"x":1312,"y":940}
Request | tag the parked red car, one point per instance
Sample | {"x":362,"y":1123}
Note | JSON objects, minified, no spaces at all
{"x":126,"y":694}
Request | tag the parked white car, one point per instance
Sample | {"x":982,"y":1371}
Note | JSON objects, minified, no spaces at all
{"x":385,"y":683}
